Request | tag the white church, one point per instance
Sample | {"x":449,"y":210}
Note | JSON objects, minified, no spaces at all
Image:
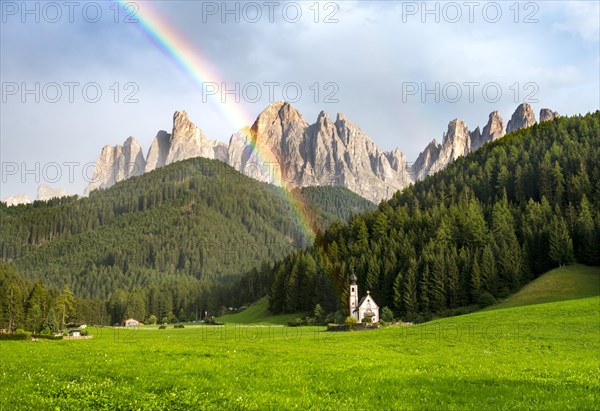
{"x":366,"y":307}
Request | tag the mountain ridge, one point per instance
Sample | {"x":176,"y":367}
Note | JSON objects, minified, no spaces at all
{"x":282,"y":148}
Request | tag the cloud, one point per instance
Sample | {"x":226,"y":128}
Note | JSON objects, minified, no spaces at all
{"x":581,"y":18}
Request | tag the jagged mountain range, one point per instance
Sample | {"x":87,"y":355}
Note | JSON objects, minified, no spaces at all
{"x":44,"y":193}
{"x":282,"y":148}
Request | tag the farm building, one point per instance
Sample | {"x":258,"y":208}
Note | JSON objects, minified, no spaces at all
{"x":366,"y":307}
{"x":132,"y":323}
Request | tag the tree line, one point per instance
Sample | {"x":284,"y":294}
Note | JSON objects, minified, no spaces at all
{"x":478,"y":230}
{"x":172,"y":243}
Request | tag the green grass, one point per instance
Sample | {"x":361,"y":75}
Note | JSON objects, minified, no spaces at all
{"x":544,"y":356}
{"x":257,"y":313}
{"x":560,"y":284}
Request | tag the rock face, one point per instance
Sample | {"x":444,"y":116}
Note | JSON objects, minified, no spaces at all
{"x":116,"y":164}
{"x":546,"y":114}
{"x":157,"y":154}
{"x":494,"y":129}
{"x":16,"y":200}
{"x":455,"y":143}
{"x":282,"y":148}
{"x":188,"y":141}
{"x":45,"y":192}
{"x":522,"y":117}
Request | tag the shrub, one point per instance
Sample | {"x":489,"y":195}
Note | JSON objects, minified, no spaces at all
{"x":296,"y":323}
{"x":48,"y":337}
{"x":336,"y":327}
{"x":339,"y":317}
{"x":178,"y":326}
{"x":387,"y":315}
{"x":485,"y":300}
{"x":152,"y":319}
{"x":350,"y":322}
{"x":16,"y":336}
{"x":162,"y":327}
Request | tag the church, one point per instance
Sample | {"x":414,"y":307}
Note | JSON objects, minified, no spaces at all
{"x":366,"y":307}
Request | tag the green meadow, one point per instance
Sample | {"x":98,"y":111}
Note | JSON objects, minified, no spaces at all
{"x":543,"y":356}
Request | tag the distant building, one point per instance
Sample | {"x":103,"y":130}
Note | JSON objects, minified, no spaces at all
{"x":366,"y":307}
{"x":132,"y":323}
{"x":75,"y":333}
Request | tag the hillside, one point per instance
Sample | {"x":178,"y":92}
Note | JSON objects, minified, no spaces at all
{"x":175,"y":237}
{"x":488,"y":224}
{"x":257,"y":313}
{"x":561,"y":284}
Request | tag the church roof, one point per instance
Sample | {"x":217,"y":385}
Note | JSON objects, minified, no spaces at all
{"x":362,"y":300}
{"x":353,"y":277}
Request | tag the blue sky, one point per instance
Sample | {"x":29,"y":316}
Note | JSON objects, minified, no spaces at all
{"x":371,"y":56}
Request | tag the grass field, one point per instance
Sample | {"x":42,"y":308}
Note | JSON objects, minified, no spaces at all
{"x":544,"y":356}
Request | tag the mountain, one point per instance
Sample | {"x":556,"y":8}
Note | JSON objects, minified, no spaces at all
{"x":282,"y":148}
{"x":194,"y":221}
{"x":323,"y":153}
{"x":523,"y":117}
{"x":117,"y":164}
{"x":480,"y":229}
{"x":44,"y":193}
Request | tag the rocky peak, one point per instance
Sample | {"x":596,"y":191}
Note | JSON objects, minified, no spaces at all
{"x":522,"y":117}
{"x":457,"y":140}
{"x":158,"y":151}
{"x":546,"y":114}
{"x":133,"y":158}
{"x":45,"y":192}
{"x":494,"y":129}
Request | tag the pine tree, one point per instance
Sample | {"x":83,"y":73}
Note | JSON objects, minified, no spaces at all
{"x":424,"y":290}
{"x":561,"y":245}
{"x":398,"y":292}
{"x":585,"y":240}
{"x":409,"y":294}
{"x":475,"y":280}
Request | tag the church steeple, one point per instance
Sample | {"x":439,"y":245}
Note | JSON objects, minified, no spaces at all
{"x":353,"y":303}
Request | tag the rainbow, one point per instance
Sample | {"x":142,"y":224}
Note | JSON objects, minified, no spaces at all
{"x":166,"y":38}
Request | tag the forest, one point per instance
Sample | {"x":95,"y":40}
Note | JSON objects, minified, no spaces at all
{"x":172,"y":243}
{"x":474,"y":232}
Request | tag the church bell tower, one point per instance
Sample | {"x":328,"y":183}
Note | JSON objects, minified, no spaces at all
{"x":353,"y":296}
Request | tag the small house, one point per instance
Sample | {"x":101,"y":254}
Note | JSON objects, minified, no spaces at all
{"x":76,"y":332}
{"x":132,"y":323}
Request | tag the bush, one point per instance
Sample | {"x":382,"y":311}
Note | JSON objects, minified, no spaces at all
{"x":178,"y":326}
{"x":387,"y":315}
{"x":152,"y":320}
{"x":22,"y":335}
{"x":296,"y":323}
{"x":48,"y":337}
{"x":485,"y":300}
{"x":350,"y":322}
{"x":162,"y":327}
{"x":339,"y":317}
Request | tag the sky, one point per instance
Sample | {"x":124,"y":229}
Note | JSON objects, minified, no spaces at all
{"x":76,"y":75}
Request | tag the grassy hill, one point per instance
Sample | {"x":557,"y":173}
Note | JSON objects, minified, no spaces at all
{"x":257,"y":313}
{"x":560,"y":284}
{"x":541,"y":357}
